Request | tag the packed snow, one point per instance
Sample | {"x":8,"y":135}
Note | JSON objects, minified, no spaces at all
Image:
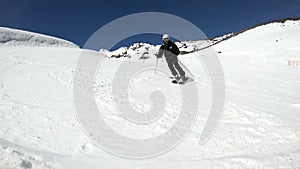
{"x":260,"y":126}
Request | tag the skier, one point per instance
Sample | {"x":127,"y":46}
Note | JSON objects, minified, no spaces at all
{"x":171,"y":51}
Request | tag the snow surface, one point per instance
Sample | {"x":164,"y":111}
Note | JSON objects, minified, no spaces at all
{"x":15,"y":37}
{"x":260,"y":127}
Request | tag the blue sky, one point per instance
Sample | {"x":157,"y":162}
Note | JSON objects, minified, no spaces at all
{"x":76,"y":20}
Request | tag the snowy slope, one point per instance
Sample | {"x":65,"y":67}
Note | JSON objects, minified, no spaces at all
{"x":259,"y":129}
{"x":14,"y":37}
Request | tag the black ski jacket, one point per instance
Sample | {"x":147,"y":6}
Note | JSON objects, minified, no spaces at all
{"x":169,"y":50}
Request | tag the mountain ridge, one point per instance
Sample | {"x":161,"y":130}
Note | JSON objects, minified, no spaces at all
{"x":16,"y":37}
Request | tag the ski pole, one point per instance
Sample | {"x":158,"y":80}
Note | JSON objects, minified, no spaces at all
{"x":156,"y":65}
{"x":185,"y":67}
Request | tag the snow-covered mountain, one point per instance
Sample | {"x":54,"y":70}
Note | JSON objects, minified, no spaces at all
{"x":186,"y":47}
{"x":140,"y":49}
{"x":15,"y":37}
{"x":260,"y":127}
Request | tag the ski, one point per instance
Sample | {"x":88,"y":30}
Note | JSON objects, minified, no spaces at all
{"x":180,"y":81}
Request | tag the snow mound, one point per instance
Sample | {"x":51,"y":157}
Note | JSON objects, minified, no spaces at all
{"x":15,"y":37}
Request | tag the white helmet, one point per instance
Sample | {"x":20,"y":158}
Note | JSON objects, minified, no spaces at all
{"x":165,"y":36}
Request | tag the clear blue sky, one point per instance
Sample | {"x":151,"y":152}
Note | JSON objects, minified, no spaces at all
{"x":77,"y":20}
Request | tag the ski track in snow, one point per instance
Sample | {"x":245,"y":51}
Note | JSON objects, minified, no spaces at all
{"x":259,"y":129}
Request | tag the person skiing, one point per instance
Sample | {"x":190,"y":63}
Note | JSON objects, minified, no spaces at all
{"x":171,"y":51}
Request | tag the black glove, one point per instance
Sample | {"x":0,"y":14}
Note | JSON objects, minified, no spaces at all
{"x":157,"y":56}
